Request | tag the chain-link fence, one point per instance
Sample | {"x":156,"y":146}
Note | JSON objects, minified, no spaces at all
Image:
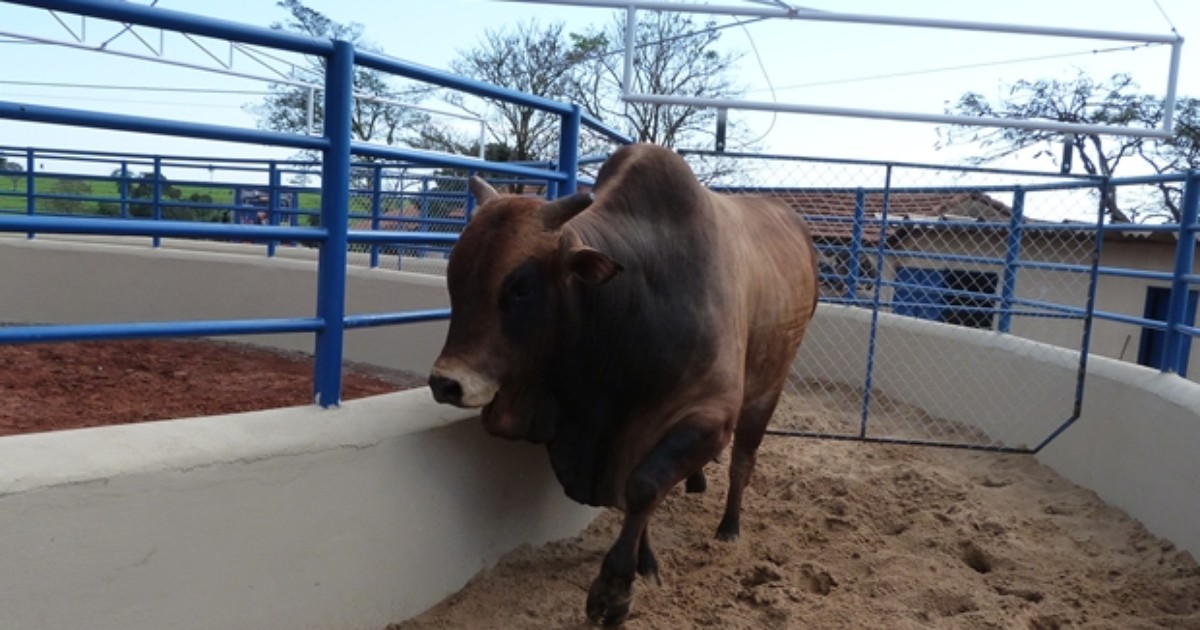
{"x":408,"y":199}
{"x":904,"y":251}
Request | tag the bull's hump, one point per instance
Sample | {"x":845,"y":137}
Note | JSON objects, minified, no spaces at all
{"x":646,"y":177}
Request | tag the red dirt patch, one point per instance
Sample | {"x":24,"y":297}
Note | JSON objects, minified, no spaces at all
{"x":47,"y":387}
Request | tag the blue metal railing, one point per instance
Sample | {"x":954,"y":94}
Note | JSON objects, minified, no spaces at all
{"x":336,"y":148}
{"x":388,"y":196}
{"x":344,"y":179}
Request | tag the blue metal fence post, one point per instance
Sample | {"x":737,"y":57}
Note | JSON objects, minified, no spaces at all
{"x":876,"y":300}
{"x":1012,"y":253}
{"x":552,"y":186}
{"x":423,"y":225}
{"x":335,"y":207}
{"x":156,"y":203}
{"x":123,"y":189}
{"x":376,"y":208}
{"x":30,"y":186}
{"x":273,"y":200}
{"x":1174,"y":340}
{"x":468,"y":201}
{"x":568,"y":149}
{"x":856,"y":239}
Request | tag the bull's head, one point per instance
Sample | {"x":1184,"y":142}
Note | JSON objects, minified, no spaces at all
{"x":507,"y":277}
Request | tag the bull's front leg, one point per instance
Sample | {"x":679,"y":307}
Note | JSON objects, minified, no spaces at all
{"x":685,"y":449}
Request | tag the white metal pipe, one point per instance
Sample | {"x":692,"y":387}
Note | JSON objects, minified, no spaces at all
{"x":850,"y":112}
{"x":883,"y":20}
{"x":1168,"y":120}
{"x":630,"y":6}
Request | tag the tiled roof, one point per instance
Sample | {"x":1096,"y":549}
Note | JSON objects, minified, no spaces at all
{"x":830,"y":215}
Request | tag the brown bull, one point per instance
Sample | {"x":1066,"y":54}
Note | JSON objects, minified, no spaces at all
{"x":634,"y":333}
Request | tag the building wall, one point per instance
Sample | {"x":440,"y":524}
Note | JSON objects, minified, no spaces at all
{"x":1113,"y":294}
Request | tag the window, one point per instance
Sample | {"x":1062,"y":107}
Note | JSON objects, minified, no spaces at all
{"x":1158,"y":302}
{"x":953,"y":296}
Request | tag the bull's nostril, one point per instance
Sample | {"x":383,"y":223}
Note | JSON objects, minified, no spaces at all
{"x":445,"y":390}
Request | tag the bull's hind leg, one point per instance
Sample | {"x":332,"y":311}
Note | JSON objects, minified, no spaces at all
{"x":696,"y":482}
{"x":752,"y":425}
{"x":687,"y":447}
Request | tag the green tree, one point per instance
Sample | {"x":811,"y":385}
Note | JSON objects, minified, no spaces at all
{"x":674,"y":54}
{"x":142,"y":187}
{"x":382,"y":116}
{"x":528,"y":58}
{"x":1180,"y":152}
{"x":67,"y":187}
{"x":1084,"y":100}
{"x":12,"y":171}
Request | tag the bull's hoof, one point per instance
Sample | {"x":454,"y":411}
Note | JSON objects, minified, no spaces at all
{"x":609,"y":600}
{"x":728,"y":530}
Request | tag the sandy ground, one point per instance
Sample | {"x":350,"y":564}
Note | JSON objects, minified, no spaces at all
{"x":852,"y":535}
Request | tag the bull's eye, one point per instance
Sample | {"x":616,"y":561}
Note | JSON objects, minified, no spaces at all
{"x":520,"y":290}
{"x":520,"y":287}
{"x":521,"y":301}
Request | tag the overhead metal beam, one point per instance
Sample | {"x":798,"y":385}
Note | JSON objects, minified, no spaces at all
{"x":631,"y":7}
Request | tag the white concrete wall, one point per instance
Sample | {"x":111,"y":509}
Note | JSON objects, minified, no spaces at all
{"x":296,"y":518}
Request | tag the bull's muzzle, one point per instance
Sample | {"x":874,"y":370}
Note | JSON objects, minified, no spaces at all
{"x":454,"y":385}
{"x":445,"y":390}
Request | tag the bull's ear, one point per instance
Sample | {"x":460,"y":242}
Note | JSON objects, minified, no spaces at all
{"x":556,"y":213}
{"x":482,"y":190}
{"x":592,"y":266}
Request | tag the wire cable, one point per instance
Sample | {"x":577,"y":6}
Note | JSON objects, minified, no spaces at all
{"x":770,"y":86}
{"x":1166,"y":17}
{"x":668,"y":40}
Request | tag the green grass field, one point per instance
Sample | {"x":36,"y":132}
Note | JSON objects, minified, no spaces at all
{"x":100,"y":195}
